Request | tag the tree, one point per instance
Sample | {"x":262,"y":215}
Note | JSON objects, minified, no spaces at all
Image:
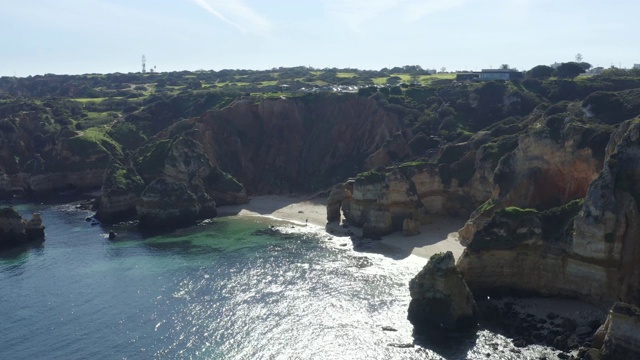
{"x":504,"y":66}
{"x":394,"y":80}
{"x":569,"y":70}
{"x":540,"y":72}
{"x":585,"y":65}
{"x":578,"y":58}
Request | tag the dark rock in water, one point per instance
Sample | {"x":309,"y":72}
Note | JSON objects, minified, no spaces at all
{"x":388,"y":328}
{"x":94,"y":223}
{"x":568,"y":325}
{"x":519,"y":343}
{"x":402,"y":346}
{"x":14,"y":231}
{"x":561,"y":343}
{"x":112,"y":235}
{"x":563,"y":356}
{"x":88,"y":219}
{"x":440,"y":299}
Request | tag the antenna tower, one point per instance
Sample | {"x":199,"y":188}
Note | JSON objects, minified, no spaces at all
{"x":144,"y":60}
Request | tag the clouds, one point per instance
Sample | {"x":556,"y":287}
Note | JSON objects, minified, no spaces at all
{"x":238,"y":14}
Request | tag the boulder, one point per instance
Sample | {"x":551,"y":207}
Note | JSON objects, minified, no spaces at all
{"x":440,"y":298}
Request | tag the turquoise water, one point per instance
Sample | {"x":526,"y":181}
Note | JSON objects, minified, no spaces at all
{"x":212,"y":291}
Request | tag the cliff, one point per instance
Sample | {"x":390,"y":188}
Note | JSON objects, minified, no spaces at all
{"x":583,"y":249}
{"x":301,"y":144}
{"x":171,"y":182}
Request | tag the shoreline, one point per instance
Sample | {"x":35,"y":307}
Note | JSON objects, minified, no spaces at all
{"x":439,"y":235}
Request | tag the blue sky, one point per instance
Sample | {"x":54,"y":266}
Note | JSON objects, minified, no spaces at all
{"x":101,"y":36}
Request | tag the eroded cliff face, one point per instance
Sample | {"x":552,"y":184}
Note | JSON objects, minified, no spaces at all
{"x":169,"y":178}
{"x":380,"y":202}
{"x":301,"y":144}
{"x":590,"y":251}
{"x":281,"y":146}
{"x":552,"y":165}
{"x":62,"y":160}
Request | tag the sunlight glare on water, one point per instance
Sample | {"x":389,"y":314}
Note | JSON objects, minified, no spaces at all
{"x":214,"y":291}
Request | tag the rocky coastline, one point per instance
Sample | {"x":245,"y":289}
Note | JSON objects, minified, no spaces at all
{"x":547,"y":179}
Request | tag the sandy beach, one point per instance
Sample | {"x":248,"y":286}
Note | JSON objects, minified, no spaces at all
{"x":439,"y":235}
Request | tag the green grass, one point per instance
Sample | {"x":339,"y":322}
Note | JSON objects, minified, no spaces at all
{"x":87,"y":100}
{"x":346,"y":75}
{"x":102,"y":140}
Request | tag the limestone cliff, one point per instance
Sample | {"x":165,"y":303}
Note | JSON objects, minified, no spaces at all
{"x":553,"y":163}
{"x":381,"y":200}
{"x":589,"y":251}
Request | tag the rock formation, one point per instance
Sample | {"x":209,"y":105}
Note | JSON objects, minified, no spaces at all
{"x":619,"y":337}
{"x":440,"y":298}
{"x":121,"y":188}
{"x":171,"y":183}
{"x":301,"y":144}
{"x":165,"y":203}
{"x":14,"y":231}
{"x":588,"y":251}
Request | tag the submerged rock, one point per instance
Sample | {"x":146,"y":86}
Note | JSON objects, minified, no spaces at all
{"x":440,"y":298}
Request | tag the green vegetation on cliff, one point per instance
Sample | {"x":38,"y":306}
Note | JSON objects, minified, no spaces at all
{"x":370,"y":177}
{"x":150,"y":158}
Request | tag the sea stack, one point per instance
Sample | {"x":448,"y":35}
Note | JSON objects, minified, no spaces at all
{"x":16,"y":232}
{"x":440,"y":299}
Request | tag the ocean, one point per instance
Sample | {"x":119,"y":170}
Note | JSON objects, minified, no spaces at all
{"x":228,"y":288}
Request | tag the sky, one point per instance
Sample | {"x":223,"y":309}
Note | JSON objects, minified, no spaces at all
{"x":106,"y":36}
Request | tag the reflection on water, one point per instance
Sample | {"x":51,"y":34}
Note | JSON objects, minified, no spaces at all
{"x":227,"y":289}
